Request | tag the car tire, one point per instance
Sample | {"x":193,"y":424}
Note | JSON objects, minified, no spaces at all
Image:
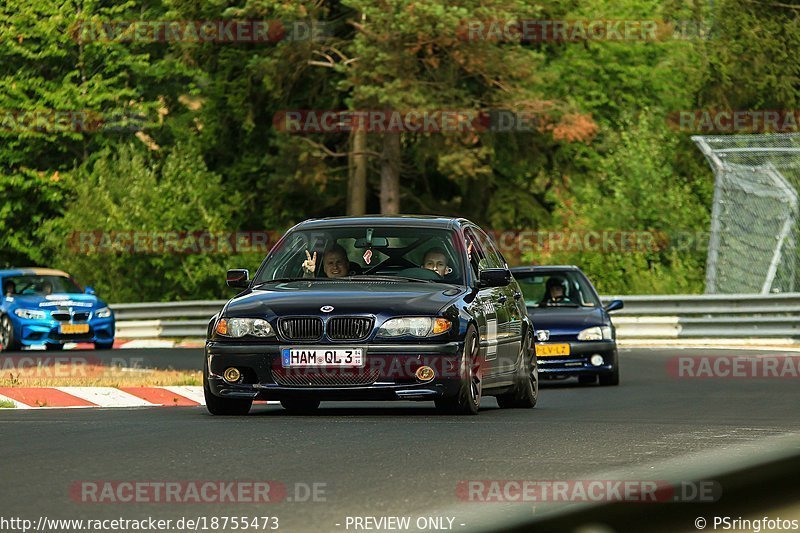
{"x":7,"y":341}
{"x":54,"y":347}
{"x":610,"y":380}
{"x":300,"y":406}
{"x":103,"y":345}
{"x":223,"y":406}
{"x":587,"y":379}
{"x":525,"y":393}
{"x":468,"y":399}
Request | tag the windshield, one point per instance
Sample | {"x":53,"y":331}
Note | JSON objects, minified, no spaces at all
{"x":360,"y":252}
{"x":39,"y":285}
{"x":566,"y":288}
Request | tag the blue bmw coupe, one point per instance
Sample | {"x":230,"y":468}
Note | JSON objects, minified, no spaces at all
{"x":42,"y":306}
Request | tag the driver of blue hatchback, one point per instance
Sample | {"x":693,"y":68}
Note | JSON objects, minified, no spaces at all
{"x":555,"y":292}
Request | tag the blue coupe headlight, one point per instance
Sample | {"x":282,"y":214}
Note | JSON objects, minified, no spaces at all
{"x":239,"y":327}
{"x":103,"y":312}
{"x":414,"y":327}
{"x":32,"y":314}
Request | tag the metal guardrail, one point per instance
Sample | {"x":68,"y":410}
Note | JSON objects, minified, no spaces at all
{"x":643,"y":317}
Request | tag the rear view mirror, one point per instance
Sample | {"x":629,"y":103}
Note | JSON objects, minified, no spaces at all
{"x":613,"y":305}
{"x":237,"y":278}
{"x":89,"y":290}
{"x":377,"y":242}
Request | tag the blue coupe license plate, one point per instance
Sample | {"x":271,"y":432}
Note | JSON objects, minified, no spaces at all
{"x":322,"y":357}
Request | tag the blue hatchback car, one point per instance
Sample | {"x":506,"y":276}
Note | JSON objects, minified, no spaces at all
{"x":574,"y":333}
{"x":42,"y":306}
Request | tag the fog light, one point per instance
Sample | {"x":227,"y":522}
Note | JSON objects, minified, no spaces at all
{"x":425,"y":373}
{"x":596,"y":359}
{"x":231,"y":374}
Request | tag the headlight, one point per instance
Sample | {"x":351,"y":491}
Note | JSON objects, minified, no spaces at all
{"x":32,"y":314}
{"x":414,"y":327}
{"x":103,"y":312}
{"x":596,"y":333}
{"x":239,"y":327}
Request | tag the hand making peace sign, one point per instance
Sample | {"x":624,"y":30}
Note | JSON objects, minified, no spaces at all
{"x":310,"y":264}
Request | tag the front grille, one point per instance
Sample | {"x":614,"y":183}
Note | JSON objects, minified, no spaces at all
{"x":61,"y":316}
{"x":324,"y":377}
{"x":300,"y":328}
{"x":349,"y":328}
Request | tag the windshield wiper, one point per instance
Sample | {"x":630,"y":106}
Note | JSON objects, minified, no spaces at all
{"x":370,"y":277}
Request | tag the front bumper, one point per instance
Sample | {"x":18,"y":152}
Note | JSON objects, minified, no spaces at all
{"x":40,"y":332}
{"x":577,"y":362}
{"x":388,"y":373}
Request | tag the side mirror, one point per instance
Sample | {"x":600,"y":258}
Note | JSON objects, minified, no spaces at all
{"x":613,"y":305}
{"x":237,"y":278}
{"x":494,"y":277}
{"x":89,"y":290}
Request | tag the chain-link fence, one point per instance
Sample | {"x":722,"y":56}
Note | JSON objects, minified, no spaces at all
{"x":754,"y":220}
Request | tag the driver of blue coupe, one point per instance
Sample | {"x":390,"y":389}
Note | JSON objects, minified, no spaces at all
{"x":335,"y":263}
{"x":436,"y":259}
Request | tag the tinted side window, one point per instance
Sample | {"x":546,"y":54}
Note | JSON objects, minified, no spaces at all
{"x":477,"y":257}
{"x":493,"y":257}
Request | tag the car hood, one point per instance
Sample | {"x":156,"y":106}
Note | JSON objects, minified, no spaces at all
{"x":350,"y":296}
{"x":566,"y":320}
{"x":53,"y":301}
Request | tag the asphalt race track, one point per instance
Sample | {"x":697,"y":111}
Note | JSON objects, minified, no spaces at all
{"x":380,"y":459}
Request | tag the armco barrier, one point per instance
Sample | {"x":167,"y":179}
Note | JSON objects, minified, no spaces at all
{"x":643,"y":317}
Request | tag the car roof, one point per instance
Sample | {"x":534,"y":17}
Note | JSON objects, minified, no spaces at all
{"x":422,"y":221}
{"x":544,"y":269}
{"x":33,"y":271}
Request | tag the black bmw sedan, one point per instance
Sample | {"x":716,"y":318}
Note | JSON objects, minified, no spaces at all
{"x":574,"y":333}
{"x":373,"y":308}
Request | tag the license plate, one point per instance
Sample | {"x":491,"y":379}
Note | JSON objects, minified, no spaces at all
{"x":550,"y":350}
{"x":322,"y":357}
{"x":73,"y":328}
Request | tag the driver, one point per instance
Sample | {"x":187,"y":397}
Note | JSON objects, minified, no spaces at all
{"x":335,"y":263}
{"x":47,"y":288}
{"x":555,"y":292}
{"x":436,"y":259}
{"x":9,"y":288}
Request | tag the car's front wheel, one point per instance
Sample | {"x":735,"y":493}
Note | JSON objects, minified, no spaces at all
{"x":223,"y":406}
{"x":7,"y":341}
{"x":468,"y":399}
